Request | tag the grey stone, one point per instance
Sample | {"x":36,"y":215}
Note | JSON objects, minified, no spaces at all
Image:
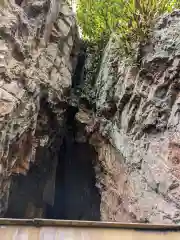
{"x":144,"y":130}
{"x":32,"y":78}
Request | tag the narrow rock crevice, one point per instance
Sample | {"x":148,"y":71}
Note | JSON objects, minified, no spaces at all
{"x":75,"y":197}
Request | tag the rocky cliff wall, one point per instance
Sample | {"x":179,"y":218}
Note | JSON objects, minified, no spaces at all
{"x":35,"y":83}
{"x":129,"y":113}
{"x":137,"y":111}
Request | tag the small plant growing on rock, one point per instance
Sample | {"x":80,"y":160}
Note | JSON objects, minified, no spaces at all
{"x":131,"y":21}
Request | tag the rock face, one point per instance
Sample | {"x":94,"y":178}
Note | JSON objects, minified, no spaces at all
{"x":138,"y":112}
{"x":132,"y":119}
{"x":35,"y":83}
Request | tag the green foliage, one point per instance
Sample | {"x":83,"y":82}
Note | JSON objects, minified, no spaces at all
{"x":2,"y":3}
{"x":129,"y":20}
{"x":97,"y":17}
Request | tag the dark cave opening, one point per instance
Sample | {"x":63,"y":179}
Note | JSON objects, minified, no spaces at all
{"x":61,"y":184}
{"x":75,"y":197}
{"x":18,"y":2}
{"x":79,"y":73}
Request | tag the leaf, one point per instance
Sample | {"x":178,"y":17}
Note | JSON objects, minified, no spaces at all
{"x":130,"y":19}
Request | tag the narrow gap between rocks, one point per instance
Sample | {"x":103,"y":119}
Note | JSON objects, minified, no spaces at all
{"x":61,"y":184}
{"x":75,"y":197}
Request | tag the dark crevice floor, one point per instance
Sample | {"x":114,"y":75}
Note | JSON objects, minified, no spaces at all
{"x":76,"y":196}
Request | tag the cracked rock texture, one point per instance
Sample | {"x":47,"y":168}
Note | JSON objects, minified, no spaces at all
{"x":35,"y":83}
{"x":132,"y":121}
{"x":138,"y":111}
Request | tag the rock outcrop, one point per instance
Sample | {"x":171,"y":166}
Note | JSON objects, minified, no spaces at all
{"x":128,"y":113}
{"x":137,"y":111}
{"x":35,"y":84}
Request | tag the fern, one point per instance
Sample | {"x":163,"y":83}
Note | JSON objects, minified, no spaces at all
{"x":130,"y":20}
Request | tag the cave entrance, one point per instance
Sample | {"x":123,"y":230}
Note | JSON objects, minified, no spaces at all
{"x":75,"y":196}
